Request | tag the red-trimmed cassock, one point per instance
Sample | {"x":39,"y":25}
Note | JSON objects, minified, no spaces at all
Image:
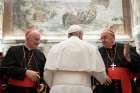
{"x":117,"y":69}
{"x":18,"y":59}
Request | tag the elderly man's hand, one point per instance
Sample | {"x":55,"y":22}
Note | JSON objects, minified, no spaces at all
{"x":33,"y":75}
{"x":41,"y":88}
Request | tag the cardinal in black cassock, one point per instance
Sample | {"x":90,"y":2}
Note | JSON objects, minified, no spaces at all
{"x":117,"y":62}
{"x":25,"y":65}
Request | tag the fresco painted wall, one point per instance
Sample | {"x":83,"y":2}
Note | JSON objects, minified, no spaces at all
{"x":55,"y":16}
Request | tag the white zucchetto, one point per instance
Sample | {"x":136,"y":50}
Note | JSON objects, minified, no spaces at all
{"x":74,"y":28}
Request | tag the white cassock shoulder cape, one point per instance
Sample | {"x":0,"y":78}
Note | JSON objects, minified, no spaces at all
{"x":74,"y":54}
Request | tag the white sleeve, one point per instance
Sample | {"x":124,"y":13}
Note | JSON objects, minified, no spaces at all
{"x":48,"y":77}
{"x":100,"y":66}
{"x":100,"y":76}
{"x":96,"y":60}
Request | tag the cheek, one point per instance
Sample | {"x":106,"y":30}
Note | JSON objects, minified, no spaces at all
{"x":36,"y":43}
{"x":33,"y":44}
{"x":106,"y":40}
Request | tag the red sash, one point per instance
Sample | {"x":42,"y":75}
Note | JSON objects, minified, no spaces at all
{"x":122,"y":74}
{"x":23,"y":83}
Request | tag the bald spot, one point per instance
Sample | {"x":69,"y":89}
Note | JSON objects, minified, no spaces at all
{"x":33,"y":34}
{"x":106,"y":32}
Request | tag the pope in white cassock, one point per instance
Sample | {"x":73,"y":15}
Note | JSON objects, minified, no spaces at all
{"x":71,"y":63}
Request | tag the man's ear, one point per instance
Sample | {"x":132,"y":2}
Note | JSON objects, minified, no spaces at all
{"x":81,"y":35}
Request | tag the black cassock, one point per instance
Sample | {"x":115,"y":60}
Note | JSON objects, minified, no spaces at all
{"x":18,"y":59}
{"x":135,"y":67}
{"x":113,"y":57}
